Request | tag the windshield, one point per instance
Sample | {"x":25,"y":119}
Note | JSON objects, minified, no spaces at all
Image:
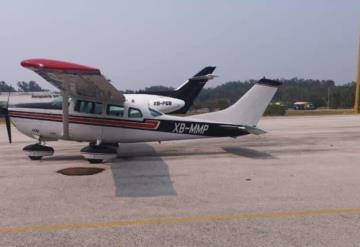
{"x":154,"y":113}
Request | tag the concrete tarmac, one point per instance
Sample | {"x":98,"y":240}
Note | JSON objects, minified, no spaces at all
{"x":297,"y":185}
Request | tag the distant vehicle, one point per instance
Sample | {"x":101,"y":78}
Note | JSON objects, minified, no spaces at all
{"x":304,"y":106}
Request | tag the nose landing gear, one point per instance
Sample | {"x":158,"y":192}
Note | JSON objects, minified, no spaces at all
{"x":38,"y":151}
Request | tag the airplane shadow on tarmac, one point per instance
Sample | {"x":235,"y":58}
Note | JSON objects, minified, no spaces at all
{"x":248,"y":153}
{"x":139,"y":171}
{"x":145,"y":177}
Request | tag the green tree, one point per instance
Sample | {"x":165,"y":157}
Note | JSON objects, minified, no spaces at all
{"x":4,"y":87}
{"x":30,"y":86}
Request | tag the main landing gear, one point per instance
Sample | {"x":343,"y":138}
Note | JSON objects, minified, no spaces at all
{"x":96,"y":154}
{"x":38,"y":151}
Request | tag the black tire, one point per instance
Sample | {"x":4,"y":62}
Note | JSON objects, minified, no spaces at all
{"x":95,"y":161}
{"x":35,"y":157}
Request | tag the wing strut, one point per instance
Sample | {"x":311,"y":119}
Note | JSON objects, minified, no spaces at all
{"x":65,"y":107}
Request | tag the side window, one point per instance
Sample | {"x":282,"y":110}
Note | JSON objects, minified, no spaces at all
{"x":154,"y":113}
{"x":134,"y":113}
{"x":115,"y":110}
{"x":97,"y":108}
{"x":83,"y":106}
{"x":88,"y":107}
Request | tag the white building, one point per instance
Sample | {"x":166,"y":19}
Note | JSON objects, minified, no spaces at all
{"x":27,"y":97}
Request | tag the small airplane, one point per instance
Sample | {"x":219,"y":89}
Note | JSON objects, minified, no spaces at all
{"x":94,"y":111}
{"x":177,"y":101}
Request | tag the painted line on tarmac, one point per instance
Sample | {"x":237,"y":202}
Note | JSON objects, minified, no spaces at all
{"x":180,"y":220}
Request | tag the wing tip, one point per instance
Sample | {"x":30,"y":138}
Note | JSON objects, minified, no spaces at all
{"x":43,"y":63}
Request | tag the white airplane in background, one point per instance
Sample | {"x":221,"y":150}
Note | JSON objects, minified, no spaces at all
{"x":94,"y":111}
{"x":176,"y":101}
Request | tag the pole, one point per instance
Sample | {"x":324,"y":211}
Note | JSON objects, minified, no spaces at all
{"x":357,"y":92}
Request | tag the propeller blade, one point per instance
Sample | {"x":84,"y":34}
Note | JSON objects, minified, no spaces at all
{"x":7,"y":102}
{"x":4,"y":113}
{"x":8,"y":127}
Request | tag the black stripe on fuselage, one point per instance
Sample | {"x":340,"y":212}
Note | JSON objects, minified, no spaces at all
{"x":201,"y":128}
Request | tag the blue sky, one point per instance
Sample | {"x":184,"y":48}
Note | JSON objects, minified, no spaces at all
{"x":144,"y":43}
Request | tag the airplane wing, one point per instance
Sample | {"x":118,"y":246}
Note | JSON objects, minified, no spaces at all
{"x":76,"y":80}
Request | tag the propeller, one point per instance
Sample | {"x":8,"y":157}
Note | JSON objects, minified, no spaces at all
{"x":4,"y":112}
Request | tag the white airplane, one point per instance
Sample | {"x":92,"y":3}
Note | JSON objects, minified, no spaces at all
{"x":179,"y":100}
{"x":94,"y":111}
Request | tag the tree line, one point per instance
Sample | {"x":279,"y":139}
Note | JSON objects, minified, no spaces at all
{"x":22,"y":86}
{"x":322,"y":93}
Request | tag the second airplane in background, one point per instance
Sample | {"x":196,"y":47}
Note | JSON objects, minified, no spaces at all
{"x":175,"y":101}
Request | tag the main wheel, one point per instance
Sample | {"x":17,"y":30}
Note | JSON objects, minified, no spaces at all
{"x":35,"y":157}
{"x":95,"y":161}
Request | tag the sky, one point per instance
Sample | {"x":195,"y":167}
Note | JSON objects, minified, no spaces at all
{"x":164,"y":42}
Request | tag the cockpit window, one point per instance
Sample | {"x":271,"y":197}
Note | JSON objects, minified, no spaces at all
{"x":57,"y":100}
{"x":154,"y":113}
{"x":115,"y":110}
{"x":134,"y":113}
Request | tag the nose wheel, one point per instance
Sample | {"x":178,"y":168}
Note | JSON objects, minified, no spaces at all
{"x":38,"y":151}
{"x":35,"y":157}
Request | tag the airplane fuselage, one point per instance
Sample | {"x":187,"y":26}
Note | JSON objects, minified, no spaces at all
{"x":110,"y":123}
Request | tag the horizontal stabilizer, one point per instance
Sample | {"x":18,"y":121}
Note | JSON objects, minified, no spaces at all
{"x":244,"y":128}
{"x":253,"y":130}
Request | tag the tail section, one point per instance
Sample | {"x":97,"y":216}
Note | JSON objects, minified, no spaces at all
{"x":191,"y":88}
{"x":249,"y":108}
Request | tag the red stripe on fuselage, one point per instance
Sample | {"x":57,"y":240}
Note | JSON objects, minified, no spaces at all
{"x":146,"y":124}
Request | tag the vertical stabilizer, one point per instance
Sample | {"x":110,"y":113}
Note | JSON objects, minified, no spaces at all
{"x":249,"y":108}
